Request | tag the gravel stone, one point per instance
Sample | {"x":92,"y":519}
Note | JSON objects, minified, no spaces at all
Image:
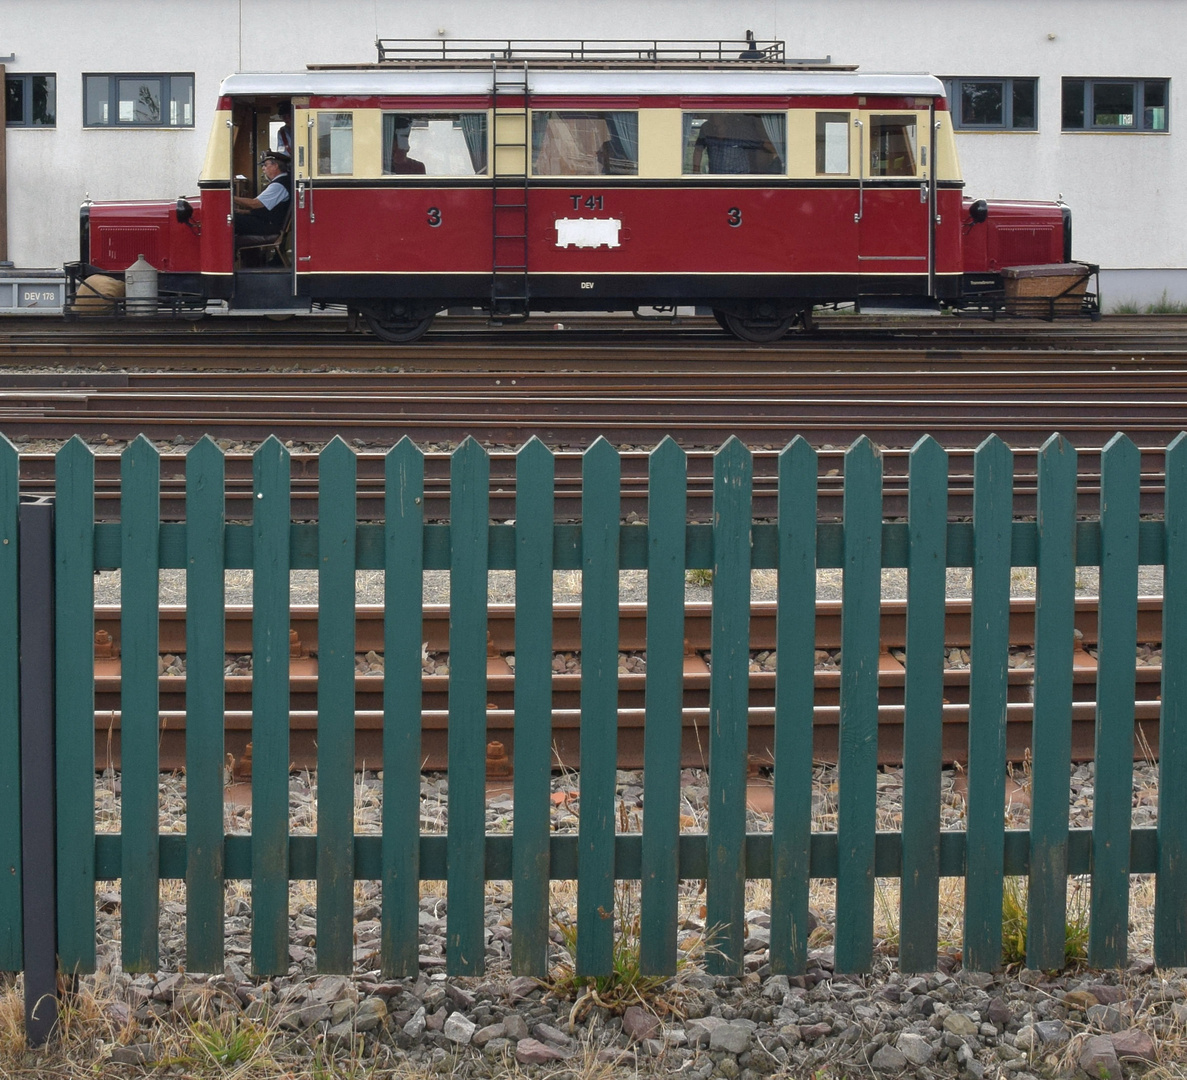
{"x":639,"y":1024}
{"x":914,"y":1048}
{"x":534,"y":1052}
{"x":961,"y":1026}
{"x":1133,"y":1043}
{"x":458,"y":1028}
{"x":733,"y":1038}
{"x":1098,"y":1059}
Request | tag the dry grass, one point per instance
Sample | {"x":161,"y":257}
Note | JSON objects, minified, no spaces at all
{"x":223,"y":1044}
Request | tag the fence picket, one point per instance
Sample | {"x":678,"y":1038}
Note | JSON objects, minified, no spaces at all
{"x":993,"y":492}
{"x":74,"y":694}
{"x":601,"y":480}
{"x":337,"y":482}
{"x":271,"y":559}
{"x":1170,"y":912}
{"x":403,"y":584}
{"x":729,"y":699}
{"x":857,"y":764}
{"x":1112,"y":814}
{"x":11,"y":926}
{"x":667,"y":509}
{"x":927,"y":513}
{"x":469,"y":531}
{"x":1055,"y":600}
{"x":795,"y":697}
{"x":140,"y":485}
{"x":535,"y":477}
{"x":205,"y":481}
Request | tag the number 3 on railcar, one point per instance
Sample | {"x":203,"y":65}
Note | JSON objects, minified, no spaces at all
{"x":539,"y":181}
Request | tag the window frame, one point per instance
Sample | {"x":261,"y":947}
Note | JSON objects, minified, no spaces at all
{"x":692,"y":123}
{"x":1088,"y":99}
{"x":418,"y":115}
{"x":953,"y":90}
{"x":113,"y":80}
{"x":26,"y":80}
{"x":323,"y":134}
{"x":825,"y":118}
{"x":539,"y":136}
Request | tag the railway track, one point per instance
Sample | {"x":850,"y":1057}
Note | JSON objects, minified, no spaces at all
{"x":632,"y":641}
{"x":218,"y":343}
{"x":627,"y":411}
{"x":37,"y":478}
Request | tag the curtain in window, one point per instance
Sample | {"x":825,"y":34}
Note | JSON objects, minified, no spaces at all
{"x":624,"y":134}
{"x":775,"y":125}
{"x":389,"y":139}
{"x":474,"y":129}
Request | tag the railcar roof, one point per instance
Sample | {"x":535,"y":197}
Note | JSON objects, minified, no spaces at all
{"x":732,"y":81}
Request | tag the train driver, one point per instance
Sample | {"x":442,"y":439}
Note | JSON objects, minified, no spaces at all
{"x":263,"y":218}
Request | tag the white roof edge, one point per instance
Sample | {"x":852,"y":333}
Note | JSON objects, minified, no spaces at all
{"x":611,"y":82}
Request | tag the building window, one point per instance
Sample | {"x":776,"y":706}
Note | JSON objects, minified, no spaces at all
{"x":993,"y":104}
{"x":1115,"y":104}
{"x":30,"y":100}
{"x":138,"y":100}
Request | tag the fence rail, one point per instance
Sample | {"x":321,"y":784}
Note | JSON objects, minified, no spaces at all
{"x":660,"y":855}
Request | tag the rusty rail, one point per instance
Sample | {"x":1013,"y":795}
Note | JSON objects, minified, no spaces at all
{"x":567,"y":685}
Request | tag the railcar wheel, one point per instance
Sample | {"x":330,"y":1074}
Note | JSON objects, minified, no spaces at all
{"x":398,"y":331}
{"x":761,"y":331}
{"x":721,"y":316}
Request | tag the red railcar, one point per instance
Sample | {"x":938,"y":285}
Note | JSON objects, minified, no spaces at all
{"x":600,"y":180}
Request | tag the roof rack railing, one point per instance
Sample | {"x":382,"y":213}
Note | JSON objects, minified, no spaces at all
{"x":725,"y":50}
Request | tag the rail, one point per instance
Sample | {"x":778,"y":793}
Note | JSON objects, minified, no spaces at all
{"x":662,"y":853}
{"x":655,"y":50}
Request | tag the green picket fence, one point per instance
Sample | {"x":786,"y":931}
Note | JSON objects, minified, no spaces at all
{"x":661,"y":855}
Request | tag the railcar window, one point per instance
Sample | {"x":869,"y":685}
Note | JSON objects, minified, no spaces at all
{"x":128,"y":100}
{"x":893,"y":143}
{"x":735,"y":142}
{"x":993,"y":104}
{"x":585,"y":143}
{"x":1115,"y":104}
{"x":434,"y":144}
{"x":30,"y":100}
{"x":335,"y":143}
{"x":832,"y":144}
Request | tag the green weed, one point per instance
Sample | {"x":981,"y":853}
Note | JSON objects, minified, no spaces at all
{"x":225,"y":1048}
{"x":1014,"y":924}
{"x":1165,"y":306}
{"x":699,"y":576}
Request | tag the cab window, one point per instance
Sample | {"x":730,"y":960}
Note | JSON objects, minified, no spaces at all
{"x":335,"y":143}
{"x":436,"y":144}
{"x":735,"y":142}
{"x":893,"y":146}
{"x":585,"y":143}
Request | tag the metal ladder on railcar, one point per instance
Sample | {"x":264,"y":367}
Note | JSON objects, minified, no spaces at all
{"x":509,"y":194}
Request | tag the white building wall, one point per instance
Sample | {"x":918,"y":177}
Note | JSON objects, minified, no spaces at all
{"x":1120,"y":186}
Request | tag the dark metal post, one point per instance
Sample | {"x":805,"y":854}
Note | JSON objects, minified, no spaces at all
{"x":39,"y":887}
